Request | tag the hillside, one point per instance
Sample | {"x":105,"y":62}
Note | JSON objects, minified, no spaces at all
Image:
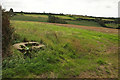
{"x":71,"y":19}
{"x":69,"y":51}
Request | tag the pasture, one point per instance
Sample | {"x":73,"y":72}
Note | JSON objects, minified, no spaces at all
{"x":69,"y":52}
{"x":87,"y":21}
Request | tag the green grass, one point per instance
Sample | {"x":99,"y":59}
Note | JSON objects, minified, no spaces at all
{"x":84,"y":23}
{"x":44,"y":18}
{"x":30,"y":18}
{"x":34,"y":15}
{"x":108,"y":19}
{"x":65,"y":17}
{"x":68,"y":53}
{"x":84,"y":17}
{"x":112,"y":25}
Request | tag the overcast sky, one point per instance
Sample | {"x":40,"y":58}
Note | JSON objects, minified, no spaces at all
{"x":99,"y":8}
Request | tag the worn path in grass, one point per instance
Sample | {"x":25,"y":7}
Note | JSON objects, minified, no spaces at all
{"x":99,"y":29}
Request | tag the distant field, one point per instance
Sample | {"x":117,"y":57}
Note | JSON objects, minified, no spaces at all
{"x":65,"y":17}
{"x":34,"y":15}
{"x":112,"y":25}
{"x":44,"y":18}
{"x":84,"y":17}
{"x":84,"y":23}
{"x":41,"y":18}
{"x":69,"y":52}
{"x":108,"y":19}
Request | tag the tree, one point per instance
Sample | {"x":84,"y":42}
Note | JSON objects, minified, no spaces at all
{"x":11,"y":13}
{"x":21,"y":12}
{"x":53,"y":19}
{"x":100,"y":21}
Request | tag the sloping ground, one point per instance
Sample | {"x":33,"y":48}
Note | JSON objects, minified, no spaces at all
{"x":99,"y":29}
{"x":44,"y":18}
{"x":69,"y":52}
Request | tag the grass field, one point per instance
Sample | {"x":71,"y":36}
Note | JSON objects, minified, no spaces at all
{"x":65,"y":17}
{"x":69,"y":52}
{"x":44,"y":18}
{"x":112,"y":25}
{"x":34,"y":15}
{"x":84,"y":23}
{"x":38,"y":18}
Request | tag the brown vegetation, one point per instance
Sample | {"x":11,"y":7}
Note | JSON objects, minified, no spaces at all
{"x":7,"y":33}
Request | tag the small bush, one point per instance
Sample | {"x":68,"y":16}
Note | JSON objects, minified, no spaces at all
{"x":25,"y":40}
{"x":79,"y":19}
{"x":118,"y":27}
{"x":101,"y":62}
{"x":16,"y":39}
{"x":100,"y":21}
{"x":11,"y":13}
{"x":53,"y":19}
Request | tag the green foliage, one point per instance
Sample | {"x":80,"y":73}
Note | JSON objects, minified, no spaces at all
{"x":70,"y":19}
{"x":108,"y":71}
{"x":101,"y":62}
{"x":11,"y":13}
{"x":100,"y":21}
{"x":66,"y":54}
{"x":29,"y":18}
{"x":84,"y":23}
{"x":113,"y":25}
{"x":22,"y":13}
{"x":53,"y":19}
{"x":65,"y":17}
{"x":16,"y":38}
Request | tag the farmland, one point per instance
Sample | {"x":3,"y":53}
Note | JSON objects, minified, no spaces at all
{"x":70,"y":52}
{"x":85,"y":20}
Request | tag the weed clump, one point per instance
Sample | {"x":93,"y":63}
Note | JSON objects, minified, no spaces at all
{"x":101,"y":62}
{"x":16,"y":38}
{"x":25,"y":40}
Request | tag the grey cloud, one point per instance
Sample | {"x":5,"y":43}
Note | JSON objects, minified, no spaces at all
{"x":108,"y":6}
